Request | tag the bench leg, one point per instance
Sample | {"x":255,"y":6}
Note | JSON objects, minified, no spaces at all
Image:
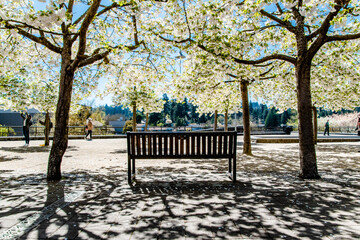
{"x":234,"y":170}
{"x":133,"y":166}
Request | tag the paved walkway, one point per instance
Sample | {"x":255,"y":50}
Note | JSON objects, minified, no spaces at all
{"x":178,"y":199}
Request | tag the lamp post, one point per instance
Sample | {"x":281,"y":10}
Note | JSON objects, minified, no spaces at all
{"x":181,"y":56}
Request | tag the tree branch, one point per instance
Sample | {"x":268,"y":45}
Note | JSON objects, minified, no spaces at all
{"x":91,"y":13}
{"x":325,"y":25}
{"x":265,"y":59}
{"x":175,"y":41}
{"x":25,"y":25}
{"x":41,"y":40}
{"x":285,"y":24}
{"x":342,"y":37}
{"x":136,"y":39}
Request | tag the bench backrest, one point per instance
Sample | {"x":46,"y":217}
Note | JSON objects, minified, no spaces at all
{"x":181,"y":144}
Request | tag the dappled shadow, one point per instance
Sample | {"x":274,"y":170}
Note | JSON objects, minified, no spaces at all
{"x":33,"y":149}
{"x":7,"y":159}
{"x":117,"y":151}
{"x":23,"y":149}
{"x":192,"y":199}
{"x":330,"y":157}
{"x":265,"y":205}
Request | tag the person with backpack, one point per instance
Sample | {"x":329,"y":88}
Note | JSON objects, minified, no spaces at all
{"x":26,"y":127}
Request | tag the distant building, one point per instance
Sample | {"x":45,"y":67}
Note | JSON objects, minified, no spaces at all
{"x":13,"y":119}
{"x":118,"y":125}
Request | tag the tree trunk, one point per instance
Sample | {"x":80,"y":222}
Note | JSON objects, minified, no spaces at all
{"x":147,"y":121}
{"x":315,"y":124}
{"x":226,"y":120}
{"x":47,"y":128}
{"x":246,"y":117}
{"x":308,"y":165}
{"x":134,"y":117}
{"x":60,"y":141}
{"x":215,"y":120}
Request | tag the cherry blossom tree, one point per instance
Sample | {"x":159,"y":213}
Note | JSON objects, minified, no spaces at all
{"x":292,"y":32}
{"x":82,"y":37}
{"x":217,"y":85}
{"x":137,"y":86}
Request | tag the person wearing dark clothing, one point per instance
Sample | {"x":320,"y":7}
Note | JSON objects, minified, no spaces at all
{"x":327,"y":128}
{"x":50,"y":126}
{"x":358,"y":126}
{"x":26,"y":127}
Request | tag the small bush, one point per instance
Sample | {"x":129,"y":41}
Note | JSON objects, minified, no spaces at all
{"x":128,"y":126}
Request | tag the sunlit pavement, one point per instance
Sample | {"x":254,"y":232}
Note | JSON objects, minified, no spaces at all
{"x":178,"y":199}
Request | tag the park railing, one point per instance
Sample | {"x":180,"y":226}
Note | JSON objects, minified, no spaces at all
{"x":35,"y":131}
{"x":38,"y":131}
{"x":338,"y":129}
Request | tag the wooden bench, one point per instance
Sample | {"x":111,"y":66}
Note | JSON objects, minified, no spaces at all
{"x":181,"y":145}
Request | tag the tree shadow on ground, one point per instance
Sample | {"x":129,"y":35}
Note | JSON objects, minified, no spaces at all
{"x":33,"y":149}
{"x":330,"y":157}
{"x":261,"y":205}
{"x":119,"y":151}
{"x":8,"y":159}
{"x":192,"y":199}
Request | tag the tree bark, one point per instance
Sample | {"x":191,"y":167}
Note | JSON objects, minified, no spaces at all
{"x":134,"y":117}
{"x":215,"y":120}
{"x":226,"y":120}
{"x":308,"y":165}
{"x":315,"y":124}
{"x":60,"y":141}
{"x":47,"y":128}
{"x":246,"y":117}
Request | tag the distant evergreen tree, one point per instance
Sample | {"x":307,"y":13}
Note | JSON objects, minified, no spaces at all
{"x":167,"y":107}
{"x":203,"y":118}
{"x":271,"y":119}
{"x":155,"y":118}
{"x":264,"y":113}
{"x":180,"y":122}
{"x":285,"y":116}
{"x":139,"y":117}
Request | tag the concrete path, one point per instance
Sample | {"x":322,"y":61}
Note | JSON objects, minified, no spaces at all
{"x":178,"y":199}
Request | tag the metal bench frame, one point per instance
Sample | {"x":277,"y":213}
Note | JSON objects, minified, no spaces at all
{"x":181,"y":145}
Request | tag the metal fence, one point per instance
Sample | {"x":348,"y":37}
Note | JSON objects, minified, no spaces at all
{"x":72,"y":130}
{"x":113,"y":130}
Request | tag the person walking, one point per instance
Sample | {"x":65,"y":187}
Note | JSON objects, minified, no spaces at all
{"x":358,"y":126}
{"x":26,"y":127}
{"x":327,"y":128}
{"x":89,"y":128}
